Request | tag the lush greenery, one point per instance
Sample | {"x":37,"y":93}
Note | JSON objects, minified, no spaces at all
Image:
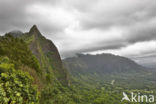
{"x":15,"y":86}
{"x":31,"y":72}
{"x":17,"y":50}
{"x":18,"y":68}
{"x":78,"y":94}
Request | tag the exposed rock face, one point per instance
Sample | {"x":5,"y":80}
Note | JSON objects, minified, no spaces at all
{"x":46,"y":52}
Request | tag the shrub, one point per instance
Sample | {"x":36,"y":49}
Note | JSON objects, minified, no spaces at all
{"x":16,"y":86}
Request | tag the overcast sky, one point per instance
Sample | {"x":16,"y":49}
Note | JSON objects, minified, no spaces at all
{"x":122,"y":27}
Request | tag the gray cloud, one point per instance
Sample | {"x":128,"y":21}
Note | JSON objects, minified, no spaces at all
{"x":93,"y":48}
{"x":84,"y":25}
{"x":14,"y":15}
{"x":143,"y":32}
{"x":120,"y":13}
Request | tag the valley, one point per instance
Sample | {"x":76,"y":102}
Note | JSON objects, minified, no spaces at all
{"x":31,"y":65}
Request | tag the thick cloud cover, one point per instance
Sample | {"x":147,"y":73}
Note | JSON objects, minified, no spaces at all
{"x":123,"y":27}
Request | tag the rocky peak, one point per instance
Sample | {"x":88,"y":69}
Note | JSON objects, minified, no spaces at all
{"x":34,"y":31}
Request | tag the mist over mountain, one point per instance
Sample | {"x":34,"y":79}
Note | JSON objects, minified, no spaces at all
{"x":105,"y":68}
{"x":77,"y":52}
{"x":16,"y":33}
{"x":102,"y":64}
{"x":66,"y":81}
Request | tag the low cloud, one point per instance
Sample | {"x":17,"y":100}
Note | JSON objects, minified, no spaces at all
{"x":78,"y":26}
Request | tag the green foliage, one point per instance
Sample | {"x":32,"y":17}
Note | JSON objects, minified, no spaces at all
{"x":55,"y":95}
{"x":16,"y":86}
{"x":18,"y":51}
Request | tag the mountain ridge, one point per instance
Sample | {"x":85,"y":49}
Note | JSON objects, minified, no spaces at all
{"x":94,"y":79}
{"x":106,"y":61}
{"x":46,"y":53}
{"x":104,"y":68}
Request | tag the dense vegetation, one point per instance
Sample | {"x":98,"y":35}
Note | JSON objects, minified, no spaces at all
{"x":108,"y":68}
{"x":15,"y":85}
{"x":31,"y":72}
{"x":17,"y":50}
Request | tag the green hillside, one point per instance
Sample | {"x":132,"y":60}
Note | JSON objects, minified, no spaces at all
{"x":31,"y":72}
{"x":47,"y":55}
{"x":32,"y":53}
{"x":107,"y":68}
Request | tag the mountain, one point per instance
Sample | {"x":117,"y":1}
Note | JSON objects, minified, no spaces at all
{"x":16,"y":33}
{"x":46,"y":53}
{"x":32,"y":53}
{"x":102,"y":64}
{"x":32,"y":72}
{"x":105,"y":68}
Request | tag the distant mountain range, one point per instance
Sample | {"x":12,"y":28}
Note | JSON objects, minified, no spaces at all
{"x":102,"y":64}
{"x":105,"y":68}
{"x":100,"y":68}
{"x":77,"y":80}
